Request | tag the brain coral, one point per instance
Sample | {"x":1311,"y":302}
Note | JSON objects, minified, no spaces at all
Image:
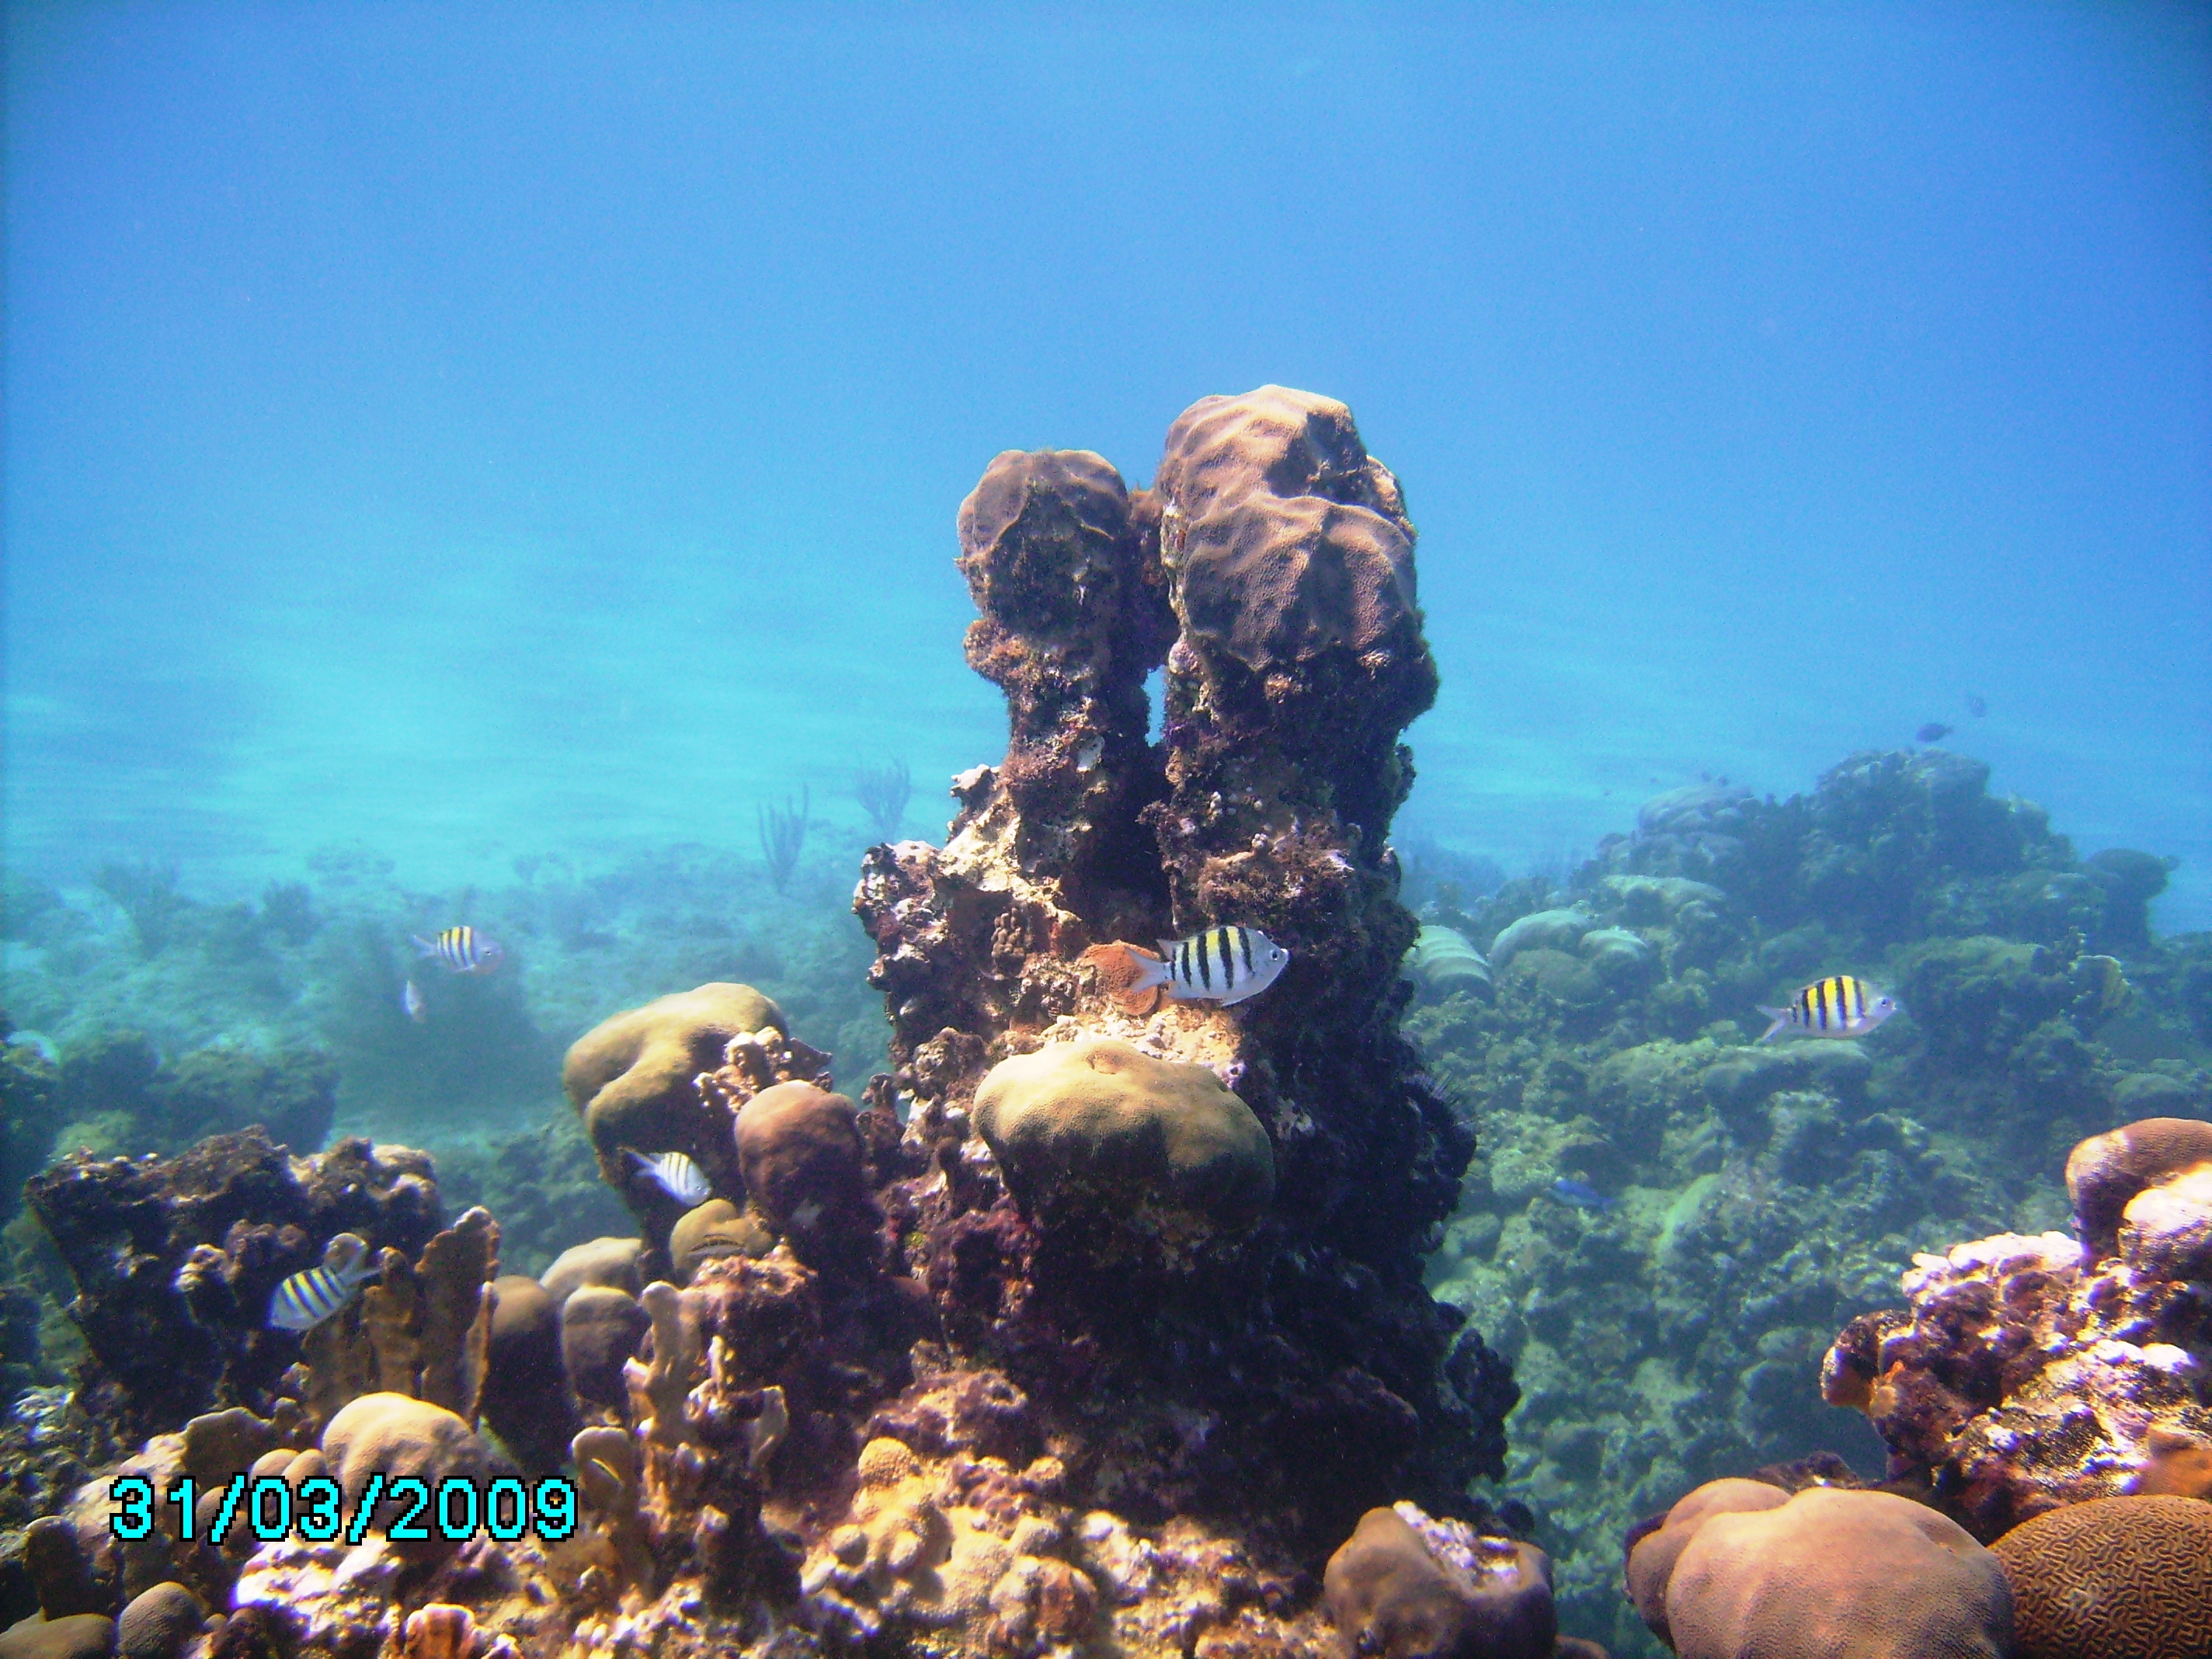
{"x":2105,"y":1171}
{"x":631,"y":1077}
{"x":1094,"y":1127}
{"x":1833,"y":1574}
{"x":1652,"y":1554}
{"x":2166,"y":1229}
{"x":2114,"y":1578}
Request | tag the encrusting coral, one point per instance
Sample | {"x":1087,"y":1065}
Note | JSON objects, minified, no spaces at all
{"x":2034,"y":1372}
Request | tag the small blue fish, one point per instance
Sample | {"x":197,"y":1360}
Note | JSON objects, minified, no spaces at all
{"x":675,"y":1175}
{"x":1934,"y":731}
{"x":315,"y":1294}
{"x":1581,"y":1194}
{"x":412,"y":1003}
{"x":464,"y":950}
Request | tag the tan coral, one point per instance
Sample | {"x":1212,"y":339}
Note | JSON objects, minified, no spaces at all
{"x":2106,"y":1171}
{"x":1835,"y":1574}
{"x":2114,"y":1578}
{"x":919,"y":1555}
{"x":634,"y":1078}
{"x":1095,"y":1129}
{"x":423,"y":1329}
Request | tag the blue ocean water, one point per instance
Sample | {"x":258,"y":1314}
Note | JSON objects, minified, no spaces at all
{"x":472,"y":436}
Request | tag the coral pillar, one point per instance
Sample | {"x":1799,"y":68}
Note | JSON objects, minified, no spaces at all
{"x":1271,"y":571}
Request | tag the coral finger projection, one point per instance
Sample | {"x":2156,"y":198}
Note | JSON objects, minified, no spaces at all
{"x":1099,"y":1325}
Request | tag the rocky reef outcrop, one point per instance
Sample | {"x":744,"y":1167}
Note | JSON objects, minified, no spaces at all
{"x":1269,"y":572}
{"x":174,"y":1261}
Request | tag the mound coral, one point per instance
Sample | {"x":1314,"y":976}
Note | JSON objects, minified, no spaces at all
{"x":1405,"y":1587}
{"x":803,"y":1163}
{"x":634,"y":1079}
{"x":2112,"y":1578}
{"x":1149,"y":1148}
{"x":1837,"y":1574}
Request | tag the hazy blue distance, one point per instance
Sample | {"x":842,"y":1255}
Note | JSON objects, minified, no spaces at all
{"x":477,"y":431}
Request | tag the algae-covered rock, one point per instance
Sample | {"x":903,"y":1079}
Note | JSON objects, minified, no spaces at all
{"x":631,"y":1078}
{"x":1094,"y":1128}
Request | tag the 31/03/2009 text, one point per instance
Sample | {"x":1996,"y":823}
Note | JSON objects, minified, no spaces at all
{"x":320,"y":1511}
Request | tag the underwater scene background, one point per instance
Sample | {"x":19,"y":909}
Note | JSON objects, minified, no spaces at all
{"x":583,"y":583}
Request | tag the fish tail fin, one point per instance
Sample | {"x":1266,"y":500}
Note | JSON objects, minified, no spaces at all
{"x":423,"y":947}
{"x":1780,"y":1017}
{"x":1131,"y":975}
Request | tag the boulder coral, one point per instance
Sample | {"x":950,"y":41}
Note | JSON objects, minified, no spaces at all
{"x":1834,"y":1574}
{"x":1125,"y":1145}
{"x":392,"y":1436}
{"x":2112,"y":1578}
{"x":1402,"y":1587}
{"x":804,"y":1168}
{"x":2105,"y":1172}
{"x":633,"y":1079}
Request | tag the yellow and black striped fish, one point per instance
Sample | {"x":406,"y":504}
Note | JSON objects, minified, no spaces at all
{"x":1837,"y":1006}
{"x":308,"y":1297}
{"x":464,"y":950}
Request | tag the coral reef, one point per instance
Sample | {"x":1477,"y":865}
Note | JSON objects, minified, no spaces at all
{"x":174,"y":1261}
{"x":2112,"y":1578}
{"x":2034,"y":1372}
{"x":1727,"y":1207}
{"x":1270,"y":571}
{"x":1080,"y":1331}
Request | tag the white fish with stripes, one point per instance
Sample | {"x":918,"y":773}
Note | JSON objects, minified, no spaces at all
{"x":464,"y":950}
{"x":674,"y":1174}
{"x":315,"y":1294}
{"x":1223,"y":964}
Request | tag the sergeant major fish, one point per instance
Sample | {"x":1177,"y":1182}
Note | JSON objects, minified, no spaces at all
{"x":1838,"y":1007}
{"x":1223,"y":964}
{"x":464,"y":950}
{"x":315,"y":1294}
{"x":674,"y":1174}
